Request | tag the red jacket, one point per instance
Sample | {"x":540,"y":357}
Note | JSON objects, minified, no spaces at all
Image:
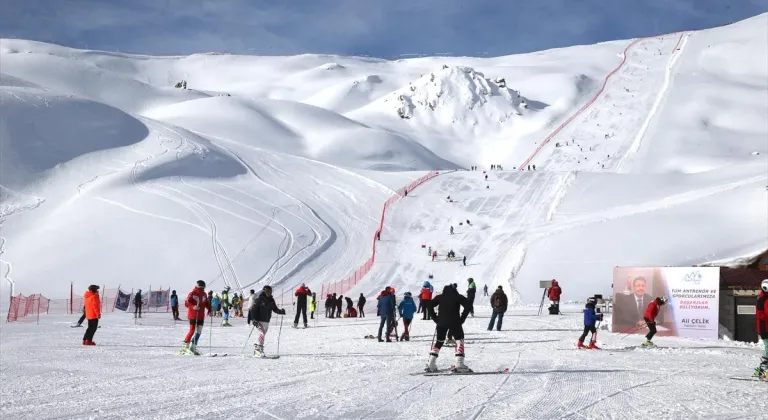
{"x":197,"y":297}
{"x":555,"y":291}
{"x":302,"y":291}
{"x":652,"y":311}
{"x":426,"y":294}
{"x":762,"y":315}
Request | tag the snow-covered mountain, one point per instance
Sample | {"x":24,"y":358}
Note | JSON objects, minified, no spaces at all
{"x":274,"y":169}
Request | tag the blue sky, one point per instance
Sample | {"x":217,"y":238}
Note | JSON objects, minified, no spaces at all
{"x":382,"y":28}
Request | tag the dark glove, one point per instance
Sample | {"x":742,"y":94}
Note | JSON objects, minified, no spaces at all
{"x":282,"y":311}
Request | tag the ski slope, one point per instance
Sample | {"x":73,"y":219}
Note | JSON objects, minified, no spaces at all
{"x":274,"y":170}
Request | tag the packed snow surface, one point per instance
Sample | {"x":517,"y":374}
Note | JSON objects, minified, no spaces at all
{"x":274,"y":170}
{"x":331,"y":371}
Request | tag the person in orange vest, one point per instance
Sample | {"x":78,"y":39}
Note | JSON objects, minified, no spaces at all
{"x":92,"y":313}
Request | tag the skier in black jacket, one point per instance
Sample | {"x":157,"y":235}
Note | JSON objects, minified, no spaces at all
{"x":448,"y":318}
{"x":261,"y":310}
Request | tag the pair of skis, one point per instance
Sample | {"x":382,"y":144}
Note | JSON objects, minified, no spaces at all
{"x":448,"y":372}
{"x":228,"y":354}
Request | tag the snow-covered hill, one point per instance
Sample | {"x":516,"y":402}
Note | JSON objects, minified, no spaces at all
{"x":274,"y":169}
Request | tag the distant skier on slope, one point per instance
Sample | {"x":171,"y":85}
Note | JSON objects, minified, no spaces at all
{"x":301,"y":304}
{"x":92,"y":313}
{"x":554,"y":293}
{"x":590,"y":319}
{"x":361,"y":305}
{"x":196,"y":303}
{"x":137,"y":302}
{"x":262,"y":309}
{"x":426,"y":299}
{"x":174,"y":301}
{"x":225,"y":305}
{"x":471,"y":292}
{"x":651,"y":312}
{"x":386,"y":311}
{"x":407,"y":308}
{"x":762,"y":328}
{"x":449,"y":303}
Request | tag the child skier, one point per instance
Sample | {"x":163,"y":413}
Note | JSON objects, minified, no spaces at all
{"x":312,"y":305}
{"x":406,"y":308}
{"x":262,"y":308}
{"x":197,"y":302}
{"x":762,"y":328}
{"x":174,"y":301}
{"x":225,"y":305}
{"x":651,"y":312}
{"x":449,"y":303}
{"x":590,"y":318}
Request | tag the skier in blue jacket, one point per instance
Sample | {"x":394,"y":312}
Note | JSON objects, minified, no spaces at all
{"x":174,"y":301}
{"x":407,"y":308}
{"x":590,"y":318}
{"x":386,"y":310}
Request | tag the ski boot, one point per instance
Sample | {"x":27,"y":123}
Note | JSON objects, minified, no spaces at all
{"x":258,"y":351}
{"x":459,"y":366}
{"x":432,"y":365}
{"x":593,"y":346}
{"x":580,"y":345}
{"x":450,"y":342}
{"x":225,"y":323}
{"x":295,"y":325}
{"x":189,"y":349}
{"x":648,"y":343}
{"x":306,"y":325}
{"x":761,"y":372}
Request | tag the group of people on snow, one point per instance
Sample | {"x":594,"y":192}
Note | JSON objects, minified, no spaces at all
{"x":334,"y":305}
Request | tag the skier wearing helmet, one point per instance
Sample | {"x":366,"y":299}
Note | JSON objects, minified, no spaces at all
{"x":197,"y":302}
{"x":762,"y":328}
{"x":651,"y":312}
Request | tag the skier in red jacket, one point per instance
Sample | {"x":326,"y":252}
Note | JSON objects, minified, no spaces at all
{"x":651,"y":312}
{"x":762,"y":328}
{"x":197,"y":302}
{"x":554,"y":295}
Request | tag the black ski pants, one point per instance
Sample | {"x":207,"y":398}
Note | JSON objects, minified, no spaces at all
{"x":651,"y":328}
{"x":360,"y":311}
{"x":175,"y":311}
{"x":93,"y":324}
{"x":137,"y":310}
{"x":427,"y":303}
{"x":300,"y":309}
{"x":587,"y":329}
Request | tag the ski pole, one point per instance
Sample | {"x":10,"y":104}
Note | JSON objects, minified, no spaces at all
{"x":593,"y":339}
{"x":247,"y":339}
{"x":210,"y":336}
{"x":434,"y":335}
{"x":279,"y":332}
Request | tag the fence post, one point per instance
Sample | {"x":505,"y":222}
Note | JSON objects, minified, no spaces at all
{"x":37,"y":321}
{"x":71,"y":296}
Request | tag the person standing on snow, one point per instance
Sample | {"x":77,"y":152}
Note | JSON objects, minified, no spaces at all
{"x":339,"y":305}
{"x":92,"y":313}
{"x":361,"y":305}
{"x":554,"y":295}
{"x":386,"y":310}
{"x":262,"y":308}
{"x":137,"y":302}
{"x":471,"y":291}
{"x":590,"y":319}
{"x":329,"y":306}
{"x":225,"y":305}
{"x":406,"y":308}
{"x":485,"y":290}
{"x":197,"y":302}
{"x":312,"y":305}
{"x":651,"y":312}
{"x":762,"y":328}
{"x":251,"y":298}
{"x":426,"y":299}
{"x":499,"y":306}
{"x":174,"y":301}
{"x":448,"y":318}
{"x":301,"y":304}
